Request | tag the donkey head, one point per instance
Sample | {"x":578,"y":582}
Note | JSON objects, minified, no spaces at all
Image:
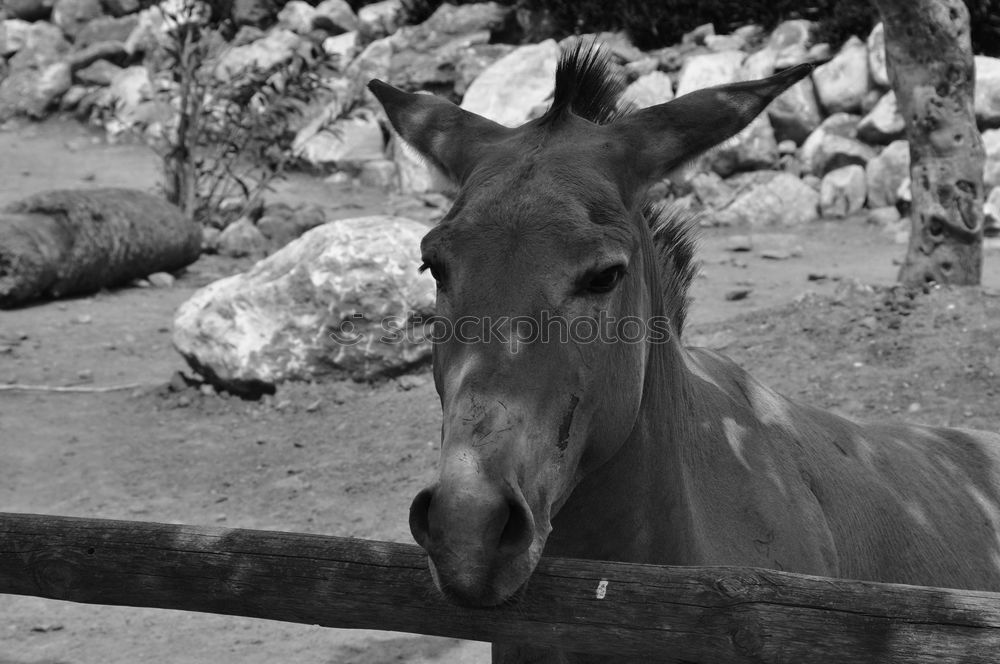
{"x":549,"y":283}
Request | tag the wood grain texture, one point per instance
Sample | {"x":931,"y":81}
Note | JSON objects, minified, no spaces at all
{"x":696,"y":614}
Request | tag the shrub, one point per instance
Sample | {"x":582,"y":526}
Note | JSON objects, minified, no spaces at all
{"x":230,"y":137}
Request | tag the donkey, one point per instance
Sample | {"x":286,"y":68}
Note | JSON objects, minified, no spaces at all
{"x":643,"y":450}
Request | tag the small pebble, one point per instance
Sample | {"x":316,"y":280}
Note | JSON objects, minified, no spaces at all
{"x":817,"y":276}
{"x":161,"y":280}
{"x":54,"y":627}
{"x":207,"y":390}
{"x":83,"y":319}
{"x":85,"y":375}
{"x":739,"y":243}
{"x":776,"y":254}
{"x":737,"y":294}
{"x":184,"y":402}
{"x":314,"y":406}
{"x":914,"y":407}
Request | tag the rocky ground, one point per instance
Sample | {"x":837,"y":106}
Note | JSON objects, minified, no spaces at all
{"x":345,"y":459}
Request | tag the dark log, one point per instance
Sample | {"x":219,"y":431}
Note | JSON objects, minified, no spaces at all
{"x":696,"y":614}
{"x":931,"y":68}
{"x":73,"y":242}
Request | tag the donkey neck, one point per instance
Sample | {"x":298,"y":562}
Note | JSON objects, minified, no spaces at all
{"x":631,"y":508}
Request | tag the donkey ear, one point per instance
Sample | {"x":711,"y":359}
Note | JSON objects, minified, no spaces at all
{"x":450,"y":138}
{"x":667,"y":135}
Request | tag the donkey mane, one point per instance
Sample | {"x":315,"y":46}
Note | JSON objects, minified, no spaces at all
{"x":589,"y":86}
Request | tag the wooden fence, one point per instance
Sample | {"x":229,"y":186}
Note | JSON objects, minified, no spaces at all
{"x":699,"y":614}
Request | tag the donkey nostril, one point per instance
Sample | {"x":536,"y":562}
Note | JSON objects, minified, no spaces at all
{"x":518,"y":532}
{"x":419,"y":516}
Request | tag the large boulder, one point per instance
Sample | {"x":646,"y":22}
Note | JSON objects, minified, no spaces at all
{"x":842,"y":192}
{"x":754,"y":148}
{"x":991,"y":169}
{"x":338,"y":13}
{"x":772,"y":199}
{"x":991,"y":214}
{"x":886,"y":172}
{"x":38,"y":74}
{"x":707,"y":70}
{"x":277,"y":46}
{"x":876,"y":56}
{"x":842,"y":83}
{"x":73,"y":15}
{"x":106,"y":29}
{"x":342,"y":300}
{"x":883,"y":124}
{"x":258,"y":13}
{"x":795,"y":112}
{"x":14,"y":34}
{"x":297,"y":16}
{"x":790,"y":42}
{"x":380,"y":18}
{"x":28,"y":10}
{"x":346,"y":144}
{"x":649,"y":89}
{"x":987,"y":97}
{"x":834,"y":144}
{"x":474,"y":60}
{"x":426,"y":56}
{"x":512,"y":87}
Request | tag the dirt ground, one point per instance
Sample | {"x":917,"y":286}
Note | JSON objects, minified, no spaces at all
{"x":346,"y":459}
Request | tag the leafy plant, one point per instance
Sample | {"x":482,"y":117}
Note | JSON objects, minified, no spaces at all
{"x":231,"y":134}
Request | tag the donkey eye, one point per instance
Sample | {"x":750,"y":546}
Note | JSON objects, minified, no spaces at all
{"x":435,"y":271}
{"x":605,"y":280}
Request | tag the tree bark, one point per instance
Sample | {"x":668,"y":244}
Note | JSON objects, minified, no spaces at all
{"x":71,"y":242}
{"x":931,"y":68}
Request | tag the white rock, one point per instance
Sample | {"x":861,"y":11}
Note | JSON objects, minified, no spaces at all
{"x":14,"y":34}
{"x":759,"y":64}
{"x":991,"y":169}
{"x":241,"y":238}
{"x":378,"y":174}
{"x":883,"y":124}
{"x":374,"y":61}
{"x":781,"y":200}
{"x":790,"y":43}
{"x":130,"y":88}
{"x":987,"y":97}
{"x":381,"y":18}
{"x":342,"y":47}
{"x":842,"y":191}
{"x":753,"y":148}
{"x":276,"y":47}
{"x":649,"y":90}
{"x":324,"y":305}
{"x":720,"y":43}
{"x":886,"y":172}
{"x":707,"y":70}
{"x":511,"y":87}
{"x":876,"y":56}
{"x":72,"y":15}
{"x":297,"y":16}
{"x":904,"y":194}
{"x":991,"y":213}
{"x":339,"y":13}
{"x":842,"y":83}
{"x":346,"y":144}
{"x":834,"y":144}
{"x":795,"y":112}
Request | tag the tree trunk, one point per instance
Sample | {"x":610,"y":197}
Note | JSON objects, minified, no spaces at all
{"x":929,"y":58}
{"x":70,"y":242}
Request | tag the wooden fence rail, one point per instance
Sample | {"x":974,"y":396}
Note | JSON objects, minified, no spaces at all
{"x":711,"y":614}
